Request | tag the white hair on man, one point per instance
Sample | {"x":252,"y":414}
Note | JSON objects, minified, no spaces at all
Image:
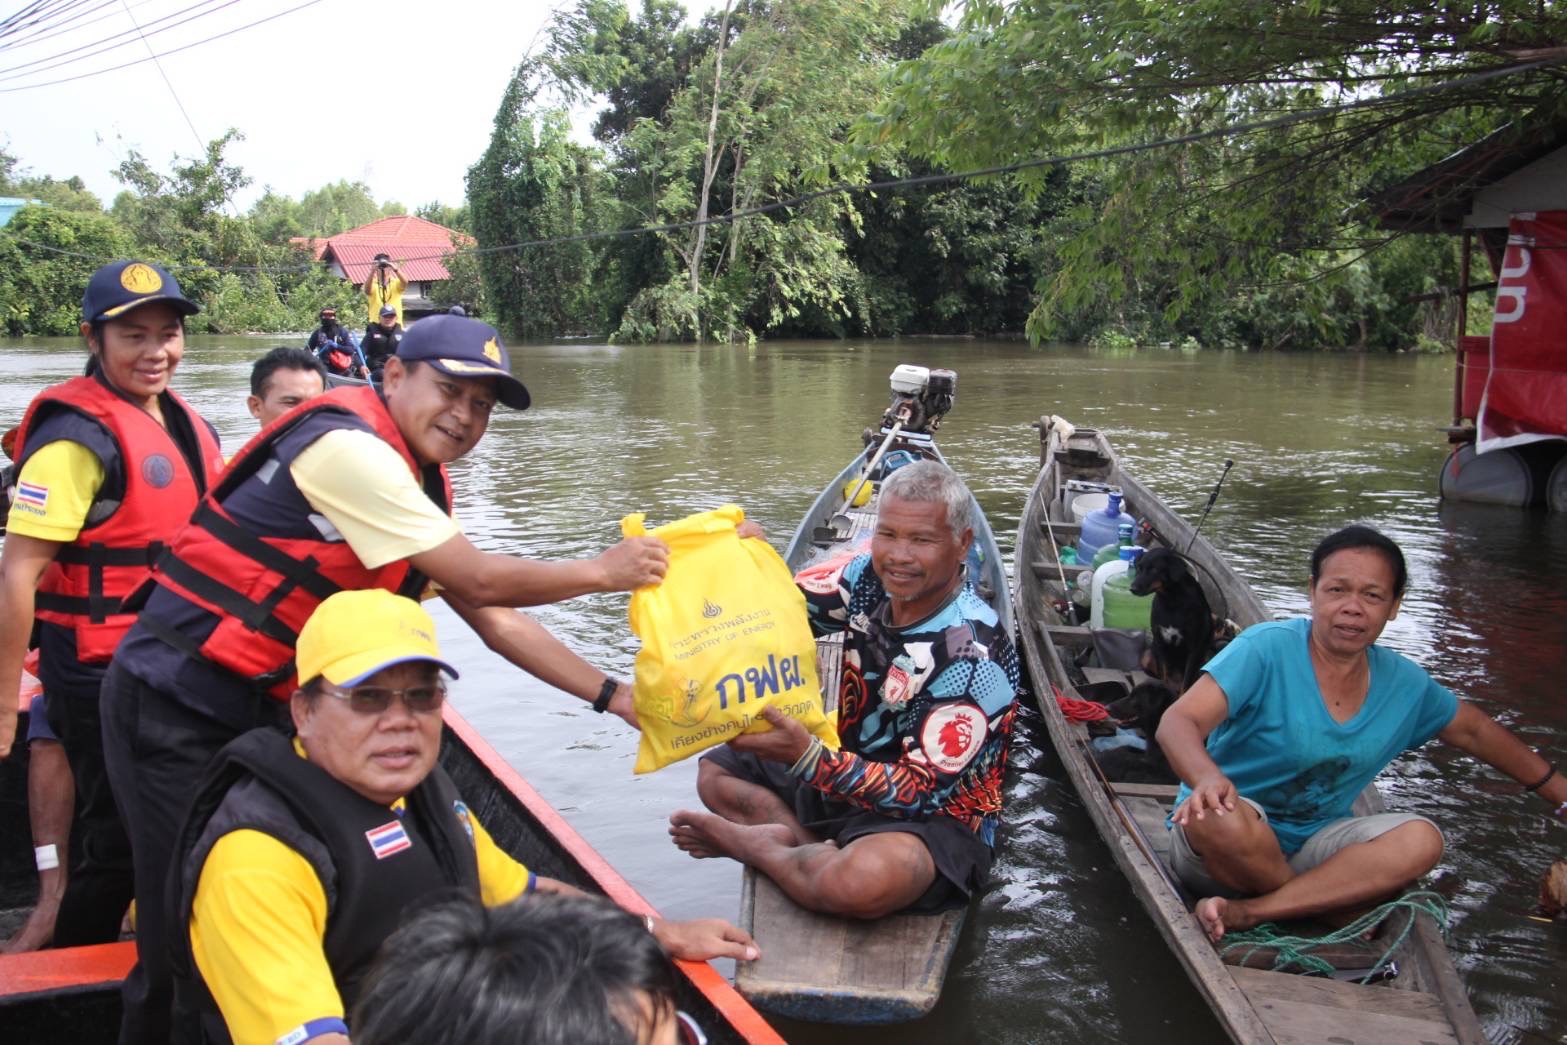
{"x":933,"y":482}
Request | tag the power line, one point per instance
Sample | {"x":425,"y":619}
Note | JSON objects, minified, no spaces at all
{"x":200,"y":143}
{"x":65,"y":26}
{"x":163,"y":54}
{"x":16,"y":71}
{"x":844,"y":188}
{"x":34,"y":12}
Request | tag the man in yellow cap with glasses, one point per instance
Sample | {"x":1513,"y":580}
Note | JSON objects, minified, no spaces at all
{"x":300,"y":857}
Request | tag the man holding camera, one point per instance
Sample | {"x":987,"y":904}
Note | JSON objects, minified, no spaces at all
{"x":384,"y":287}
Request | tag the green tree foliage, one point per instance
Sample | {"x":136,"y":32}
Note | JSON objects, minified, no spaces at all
{"x":69,"y":194}
{"x":1177,"y":231}
{"x":322,"y":212}
{"x":41,"y":289}
{"x":534,"y":183}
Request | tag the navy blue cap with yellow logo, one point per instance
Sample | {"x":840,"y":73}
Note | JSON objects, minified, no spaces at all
{"x":120,"y":286}
{"x":463,"y":347}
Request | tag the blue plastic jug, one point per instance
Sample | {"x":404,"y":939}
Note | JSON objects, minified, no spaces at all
{"x":1099,"y":528}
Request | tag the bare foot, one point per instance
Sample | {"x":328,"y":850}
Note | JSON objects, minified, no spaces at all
{"x":1219,"y":916}
{"x":704,"y":835}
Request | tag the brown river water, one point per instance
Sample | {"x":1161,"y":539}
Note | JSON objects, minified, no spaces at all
{"x":1058,"y":950}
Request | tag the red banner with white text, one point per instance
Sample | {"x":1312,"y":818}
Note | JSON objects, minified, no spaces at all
{"x":1525,"y":397}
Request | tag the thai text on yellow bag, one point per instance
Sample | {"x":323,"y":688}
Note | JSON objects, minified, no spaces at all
{"x":724,"y":636}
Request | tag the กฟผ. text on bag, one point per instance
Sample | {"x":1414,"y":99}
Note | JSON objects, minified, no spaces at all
{"x":725,"y":635}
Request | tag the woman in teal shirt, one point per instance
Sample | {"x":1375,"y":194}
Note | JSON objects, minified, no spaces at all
{"x":1288,"y":724}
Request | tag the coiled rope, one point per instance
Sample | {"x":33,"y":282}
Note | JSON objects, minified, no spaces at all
{"x":1293,"y":953}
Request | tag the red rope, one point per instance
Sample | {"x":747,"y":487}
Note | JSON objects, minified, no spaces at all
{"x":1080,"y":710}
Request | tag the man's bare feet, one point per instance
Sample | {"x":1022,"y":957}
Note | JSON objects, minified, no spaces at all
{"x":705,"y":835}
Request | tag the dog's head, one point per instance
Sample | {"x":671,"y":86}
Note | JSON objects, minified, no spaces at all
{"x":1143,"y":707}
{"x":1159,"y":569}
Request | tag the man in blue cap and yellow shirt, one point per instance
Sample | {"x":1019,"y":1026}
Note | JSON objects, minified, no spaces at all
{"x":349,"y":491}
{"x":107,"y":463}
{"x":299,"y":858}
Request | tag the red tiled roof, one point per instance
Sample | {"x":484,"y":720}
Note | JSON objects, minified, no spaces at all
{"x":418,"y":246}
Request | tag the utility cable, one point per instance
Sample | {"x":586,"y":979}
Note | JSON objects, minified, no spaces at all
{"x":200,"y":142}
{"x":844,"y":188}
{"x":63,"y":27}
{"x":17,"y":72}
{"x":163,"y":54}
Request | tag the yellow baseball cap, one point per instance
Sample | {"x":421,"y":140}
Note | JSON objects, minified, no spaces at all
{"x":354,"y":634}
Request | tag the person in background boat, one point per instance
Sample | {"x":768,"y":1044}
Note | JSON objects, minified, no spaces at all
{"x":334,"y":345}
{"x":383,"y":288}
{"x":555,"y":970}
{"x":351,"y":492}
{"x":281,"y":380}
{"x":51,"y":791}
{"x":106,"y":462}
{"x":381,"y":340}
{"x":904,"y":816}
{"x":300,"y":857}
{"x":1288,"y":724}
{"x":51,"y":796}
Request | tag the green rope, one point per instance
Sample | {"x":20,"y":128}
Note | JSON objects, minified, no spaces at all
{"x":1293,"y":952}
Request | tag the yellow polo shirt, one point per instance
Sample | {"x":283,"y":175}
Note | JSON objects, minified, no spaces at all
{"x":258,"y":927}
{"x":62,"y":478}
{"x":364,"y":489}
{"x":392,"y":295}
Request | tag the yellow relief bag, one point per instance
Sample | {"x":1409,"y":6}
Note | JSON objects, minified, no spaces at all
{"x":723,"y":637}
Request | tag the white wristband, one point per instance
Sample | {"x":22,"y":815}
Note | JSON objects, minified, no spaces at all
{"x":647,"y":920}
{"x":47,"y":857}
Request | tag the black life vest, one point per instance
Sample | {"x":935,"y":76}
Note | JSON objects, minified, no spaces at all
{"x":355,"y":846}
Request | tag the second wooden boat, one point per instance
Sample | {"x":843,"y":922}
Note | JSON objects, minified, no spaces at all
{"x":1424,"y":1001}
{"x":72,"y":995}
{"x":818,"y":967}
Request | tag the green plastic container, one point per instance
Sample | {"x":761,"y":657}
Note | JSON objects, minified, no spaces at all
{"x":1122,"y":609}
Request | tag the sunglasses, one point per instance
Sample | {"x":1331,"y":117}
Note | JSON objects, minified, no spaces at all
{"x":690,"y":1030}
{"x":375,"y":700}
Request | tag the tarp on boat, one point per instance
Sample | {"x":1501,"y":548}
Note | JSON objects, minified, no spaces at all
{"x":1525,"y":397}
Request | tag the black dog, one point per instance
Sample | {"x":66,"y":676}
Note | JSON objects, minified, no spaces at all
{"x":1180,"y":627}
{"x":1140,"y":710}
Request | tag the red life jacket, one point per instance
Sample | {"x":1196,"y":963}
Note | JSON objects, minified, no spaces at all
{"x":263,"y":581}
{"x":85,"y":587}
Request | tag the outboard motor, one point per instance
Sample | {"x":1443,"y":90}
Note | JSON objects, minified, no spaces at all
{"x":921,"y":397}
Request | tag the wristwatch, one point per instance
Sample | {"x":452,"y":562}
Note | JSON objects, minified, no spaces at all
{"x":606,"y":694}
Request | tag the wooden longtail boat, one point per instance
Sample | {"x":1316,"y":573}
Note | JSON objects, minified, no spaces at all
{"x":818,"y":967}
{"x":73,"y":994}
{"x":1423,"y":1002}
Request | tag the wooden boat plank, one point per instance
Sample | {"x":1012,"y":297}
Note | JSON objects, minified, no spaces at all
{"x":1302,"y":1023}
{"x":828,"y":969}
{"x":1337,"y":994}
{"x":1164,"y":792}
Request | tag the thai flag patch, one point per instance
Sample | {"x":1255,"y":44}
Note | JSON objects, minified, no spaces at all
{"x":388,"y":839}
{"x":32,"y":497}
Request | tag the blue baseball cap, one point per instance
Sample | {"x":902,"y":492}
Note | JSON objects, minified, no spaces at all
{"x":463,"y":347}
{"x":120,"y":286}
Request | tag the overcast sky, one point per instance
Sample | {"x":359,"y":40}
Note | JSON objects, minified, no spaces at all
{"x":398,"y":94}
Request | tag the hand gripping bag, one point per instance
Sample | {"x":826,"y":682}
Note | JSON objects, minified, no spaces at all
{"x":724,"y":636}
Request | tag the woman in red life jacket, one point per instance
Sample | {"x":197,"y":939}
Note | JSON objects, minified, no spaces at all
{"x":108,"y":465}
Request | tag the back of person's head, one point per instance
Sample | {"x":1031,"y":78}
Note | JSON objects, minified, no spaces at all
{"x":1358,"y":536}
{"x":546,"y":969}
{"x":282,"y":358}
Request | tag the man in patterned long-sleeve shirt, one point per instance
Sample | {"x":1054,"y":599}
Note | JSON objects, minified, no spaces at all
{"x":904,"y":816}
